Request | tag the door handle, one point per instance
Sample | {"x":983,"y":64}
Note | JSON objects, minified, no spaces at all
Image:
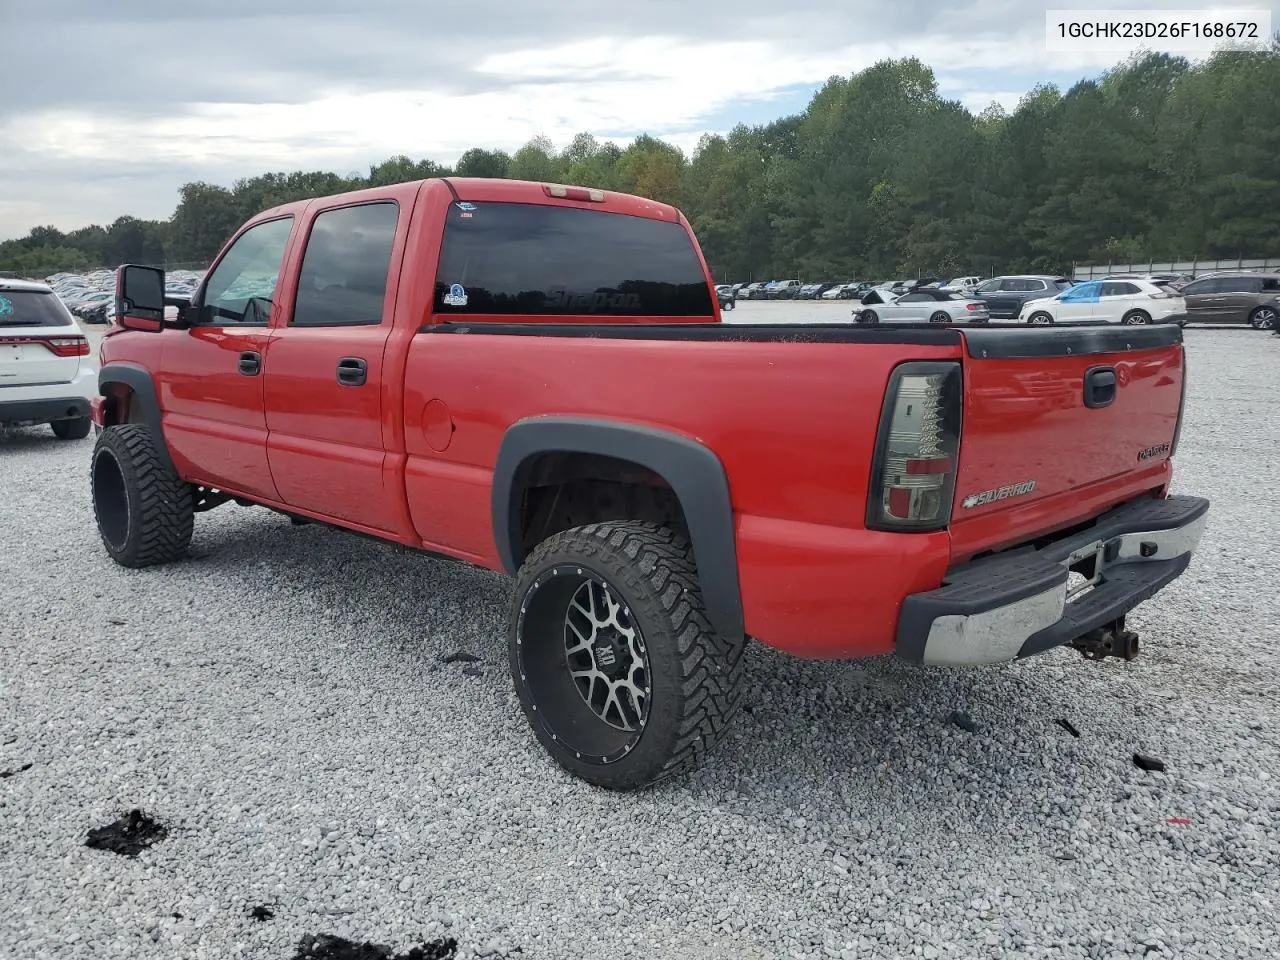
{"x":1099,"y":387}
{"x":250,"y":363}
{"x":352,"y":372}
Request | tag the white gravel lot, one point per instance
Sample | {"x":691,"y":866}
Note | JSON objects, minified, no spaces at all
{"x":279,"y":703}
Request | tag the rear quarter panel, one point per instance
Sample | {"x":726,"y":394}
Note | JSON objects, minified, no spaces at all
{"x":793,"y":424}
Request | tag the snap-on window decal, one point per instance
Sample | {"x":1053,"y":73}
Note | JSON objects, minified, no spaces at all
{"x":457,"y":296}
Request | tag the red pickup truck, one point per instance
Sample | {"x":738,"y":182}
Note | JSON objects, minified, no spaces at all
{"x":534,"y":378}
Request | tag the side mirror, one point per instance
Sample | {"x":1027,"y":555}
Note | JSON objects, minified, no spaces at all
{"x":140,"y":298}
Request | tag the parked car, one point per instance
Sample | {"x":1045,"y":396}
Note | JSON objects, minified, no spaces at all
{"x":924,"y":305}
{"x":1252,"y":298}
{"x":1004,"y":296}
{"x":46,"y":372}
{"x":421,"y":413}
{"x":724,"y":293}
{"x":836,"y":290}
{"x":1131,"y":302}
{"x":963,"y":284}
{"x":784,"y":289}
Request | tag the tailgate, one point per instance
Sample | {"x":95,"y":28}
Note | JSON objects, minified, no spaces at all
{"x":26,"y":359}
{"x":1059,"y":424}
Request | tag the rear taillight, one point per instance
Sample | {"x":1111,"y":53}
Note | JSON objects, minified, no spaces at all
{"x":68,"y":346}
{"x":975,"y":306}
{"x":917,"y":449}
{"x":59,"y":346}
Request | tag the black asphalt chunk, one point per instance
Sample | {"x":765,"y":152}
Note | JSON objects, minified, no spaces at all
{"x":128,"y":836}
{"x":325,"y":947}
{"x":1143,"y":762}
{"x":460,"y":656}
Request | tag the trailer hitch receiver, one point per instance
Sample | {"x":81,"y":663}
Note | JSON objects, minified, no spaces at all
{"x":1109,"y":640}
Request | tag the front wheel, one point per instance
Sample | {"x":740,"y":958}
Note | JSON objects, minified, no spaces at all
{"x":1136,"y":318}
{"x":145,"y":512}
{"x":727,"y":305}
{"x":619,"y":672}
{"x":1040,"y":319}
{"x":868,"y":316}
{"x":1265,"y":318}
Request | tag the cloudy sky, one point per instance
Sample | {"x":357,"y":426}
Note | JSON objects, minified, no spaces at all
{"x":109,"y":105}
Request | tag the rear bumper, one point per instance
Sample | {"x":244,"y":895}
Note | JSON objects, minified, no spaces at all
{"x":46,"y":402}
{"x":43,"y":411}
{"x":1017,"y":604}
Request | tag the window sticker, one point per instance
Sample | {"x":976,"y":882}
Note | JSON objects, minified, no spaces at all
{"x":457,"y":296}
{"x":6,"y":307}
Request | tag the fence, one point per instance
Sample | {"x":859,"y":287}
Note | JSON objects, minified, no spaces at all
{"x":1091,"y":271}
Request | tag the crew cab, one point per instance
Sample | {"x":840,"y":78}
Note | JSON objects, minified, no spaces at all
{"x":535,"y":379}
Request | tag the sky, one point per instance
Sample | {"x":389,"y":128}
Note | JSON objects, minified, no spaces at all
{"x":108,"y":106}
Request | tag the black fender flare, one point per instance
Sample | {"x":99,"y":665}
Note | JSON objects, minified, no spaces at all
{"x":138,"y":380}
{"x":695,"y":475}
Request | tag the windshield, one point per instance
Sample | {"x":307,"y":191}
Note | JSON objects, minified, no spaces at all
{"x":32,"y":308}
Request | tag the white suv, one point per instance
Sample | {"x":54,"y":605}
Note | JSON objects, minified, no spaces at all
{"x":46,"y":373}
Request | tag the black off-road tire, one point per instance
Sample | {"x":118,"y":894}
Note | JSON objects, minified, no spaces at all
{"x":145,"y":512}
{"x":77,"y":428}
{"x":694,"y":675}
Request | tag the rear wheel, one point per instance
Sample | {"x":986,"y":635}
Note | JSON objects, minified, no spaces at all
{"x":1136,"y":318}
{"x":940,"y":316}
{"x":1040,"y":319}
{"x":617,"y":667}
{"x":76,"y":428}
{"x":1265,"y":318}
{"x":145,"y":513}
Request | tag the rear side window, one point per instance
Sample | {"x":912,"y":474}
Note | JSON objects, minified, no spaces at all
{"x":343,"y":280}
{"x":32,"y":308}
{"x":528,"y":259}
{"x":1118,"y":288}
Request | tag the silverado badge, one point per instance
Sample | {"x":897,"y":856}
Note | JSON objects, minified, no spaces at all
{"x":1157,"y":450}
{"x":1000,"y":493}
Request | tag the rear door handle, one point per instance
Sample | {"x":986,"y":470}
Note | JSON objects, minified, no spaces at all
{"x":250,"y":363}
{"x":352,"y":372}
{"x":1099,"y":387}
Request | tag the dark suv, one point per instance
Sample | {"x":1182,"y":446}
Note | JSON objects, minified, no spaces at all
{"x":1252,"y":298}
{"x":1004,"y":296}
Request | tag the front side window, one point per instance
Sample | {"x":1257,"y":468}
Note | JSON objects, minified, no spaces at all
{"x":1242,"y":285}
{"x":991,"y":286}
{"x":1202,"y":286}
{"x":1082,"y":293}
{"x":242,"y":285}
{"x":343,"y":280}
{"x":512,"y":259}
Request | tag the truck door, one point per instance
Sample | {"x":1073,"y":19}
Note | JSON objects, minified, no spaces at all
{"x":211,"y":374}
{"x":325,"y":373}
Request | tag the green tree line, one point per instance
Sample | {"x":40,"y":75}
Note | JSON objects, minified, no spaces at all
{"x":1158,"y":158}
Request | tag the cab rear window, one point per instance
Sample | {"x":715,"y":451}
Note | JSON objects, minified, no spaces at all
{"x":513,"y":259}
{"x":32,"y":308}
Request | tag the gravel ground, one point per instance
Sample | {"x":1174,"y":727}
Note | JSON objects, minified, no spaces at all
{"x":280,"y":704}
